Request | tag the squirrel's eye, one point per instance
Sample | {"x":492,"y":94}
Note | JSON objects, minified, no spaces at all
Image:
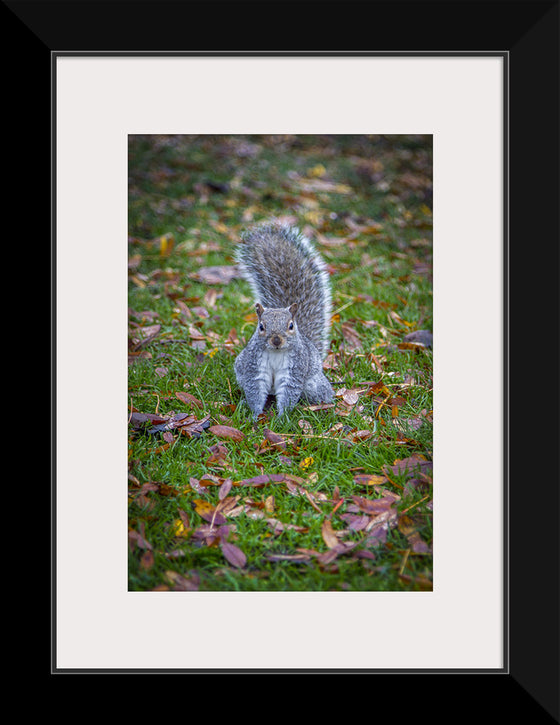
{"x":291,"y":326}
{"x":261,"y":327}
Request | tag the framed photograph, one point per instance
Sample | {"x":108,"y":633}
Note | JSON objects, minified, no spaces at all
{"x":112,"y":110}
{"x":446,"y":133}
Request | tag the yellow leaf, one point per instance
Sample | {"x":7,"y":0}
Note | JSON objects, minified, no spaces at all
{"x":166,"y":242}
{"x":369,"y":479}
{"x":203,"y":508}
{"x":179,"y":528}
{"x":317,"y":171}
{"x":306,"y":462}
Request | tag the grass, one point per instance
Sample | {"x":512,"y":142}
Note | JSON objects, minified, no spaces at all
{"x":366,"y":200}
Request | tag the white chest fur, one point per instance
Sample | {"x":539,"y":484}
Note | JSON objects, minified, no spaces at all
{"x":274,"y":370}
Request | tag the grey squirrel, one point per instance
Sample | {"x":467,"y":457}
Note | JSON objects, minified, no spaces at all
{"x":290,"y":284}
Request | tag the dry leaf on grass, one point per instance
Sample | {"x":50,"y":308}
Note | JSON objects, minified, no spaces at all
{"x":233,"y":554}
{"x":226,"y":431}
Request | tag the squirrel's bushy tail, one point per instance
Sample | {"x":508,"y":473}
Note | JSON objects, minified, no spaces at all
{"x":282,"y":267}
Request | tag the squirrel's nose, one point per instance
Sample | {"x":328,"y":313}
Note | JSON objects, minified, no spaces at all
{"x":276,"y":341}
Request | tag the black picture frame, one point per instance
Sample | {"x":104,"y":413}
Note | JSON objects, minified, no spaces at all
{"x":528,"y":33}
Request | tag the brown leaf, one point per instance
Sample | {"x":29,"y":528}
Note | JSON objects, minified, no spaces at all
{"x":369,"y":479}
{"x":406,"y":524}
{"x":215,"y":275}
{"x":288,"y":557}
{"x":378,"y":528}
{"x":208,"y":512}
{"x":228,"y":507}
{"x":423,"y":338}
{"x":262,"y":480}
{"x":360,"y":435}
{"x":143,"y":336}
{"x":208,"y":479}
{"x":196,"y":486}
{"x":278,"y":441}
{"x":329,"y":536}
{"x":189,"y":399}
{"x":376,"y":506}
{"x":350,"y":397}
{"x":225,"y":488}
{"x":147,"y":560}
{"x":355,"y":522}
{"x":408,"y":527}
{"x":410,"y":465}
{"x":417,"y":543}
{"x":233,"y":554}
{"x":188,"y":424}
{"x":218,"y":454}
{"x":134,"y":538}
{"x":226,"y":431}
{"x":278,"y":527}
{"x":211,"y":535}
{"x":329,"y":556}
{"x":139,"y":420}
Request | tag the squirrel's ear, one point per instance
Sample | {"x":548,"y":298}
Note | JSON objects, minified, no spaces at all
{"x":259,"y":308}
{"x":293,"y":309}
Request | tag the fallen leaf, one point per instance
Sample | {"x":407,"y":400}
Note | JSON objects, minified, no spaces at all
{"x":410,"y":465}
{"x":134,"y":538}
{"x":378,"y":528}
{"x":340,"y":549}
{"x":218,"y":455}
{"x":208,"y":479}
{"x":189,"y":399}
{"x":350,"y":397}
{"x":180,"y":528}
{"x":262,"y":480}
{"x":211,"y":535}
{"x":397,"y":318}
{"x":408,"y":527}
{"x":226,"y":431}
{"x":215,"y":275}
{"x":208,"y":512}
{"x":143,"y":336}
{"x":288,"y":557}
{"x":140,"y":420}
{"x":420,"y":337}
{"x":233,"y":554}
{"x":369,"y":479}
{"x":355,"y":522}
{"x":278,"y":526}
{"x":147,"y":560}
{"x":329,"y":536}
{"x":225,"y":488}
{"x":181,"y":583}
{"x":275,"y":439}
{"x":374,"y":506}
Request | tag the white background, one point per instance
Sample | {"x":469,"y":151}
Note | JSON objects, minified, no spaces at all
{"x":99,"y":101}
